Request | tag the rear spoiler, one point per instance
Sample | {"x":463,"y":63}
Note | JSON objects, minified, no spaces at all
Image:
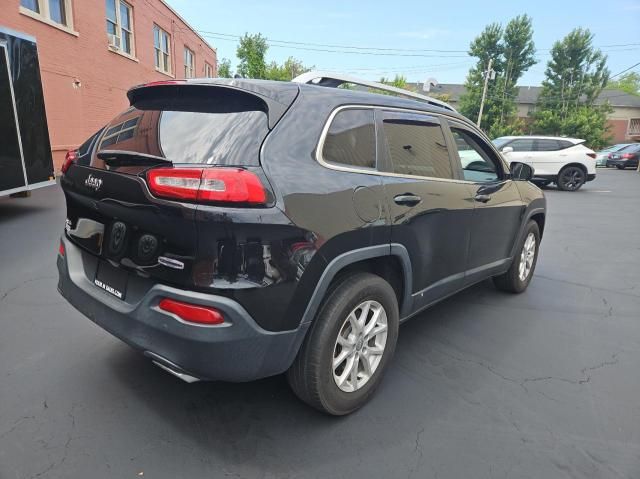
{"x":223,"y":95}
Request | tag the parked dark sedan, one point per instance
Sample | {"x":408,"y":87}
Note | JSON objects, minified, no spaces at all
{"x":625,"y":158}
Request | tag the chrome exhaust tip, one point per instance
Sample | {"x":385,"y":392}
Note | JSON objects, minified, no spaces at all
{"x":170,"y":367}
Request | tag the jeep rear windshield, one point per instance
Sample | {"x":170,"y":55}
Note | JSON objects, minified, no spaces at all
{"x":189,"y":127}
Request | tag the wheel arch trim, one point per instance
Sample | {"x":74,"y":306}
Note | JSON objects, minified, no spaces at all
{"x":529,"y":214}
{"x":350,"y":257}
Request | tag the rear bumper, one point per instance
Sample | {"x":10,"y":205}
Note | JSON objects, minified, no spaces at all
{"x":237,"y":351}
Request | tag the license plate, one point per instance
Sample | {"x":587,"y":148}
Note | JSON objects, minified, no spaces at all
{"x":113,"y":280}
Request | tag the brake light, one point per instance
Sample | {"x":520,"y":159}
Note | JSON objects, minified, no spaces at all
{"x":224,"y":185}
{"x":591,"y":155}
{"x":61,"y":250}
{"x":627,"y":155}
{"x":69,"y":158}
{"x":192,"y":313}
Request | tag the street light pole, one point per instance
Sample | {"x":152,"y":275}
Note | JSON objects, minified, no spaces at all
{"x":484,"y":90}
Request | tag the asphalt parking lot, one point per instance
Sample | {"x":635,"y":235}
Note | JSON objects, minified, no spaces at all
{"x":483,"y":385}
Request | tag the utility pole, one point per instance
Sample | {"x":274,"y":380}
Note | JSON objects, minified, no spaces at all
{"x":487,"y":74}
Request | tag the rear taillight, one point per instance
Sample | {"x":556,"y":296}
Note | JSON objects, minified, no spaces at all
{"x":215,"y":185}
{"x":627,"y":155}
{"x":591,"y":155}
{"x":70,"y":157}
{"x":61,"y":250}
{"x":192,"y":313}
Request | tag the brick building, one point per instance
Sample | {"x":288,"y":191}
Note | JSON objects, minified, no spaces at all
{"x":92,"y":51}
{"x":624,"y":120}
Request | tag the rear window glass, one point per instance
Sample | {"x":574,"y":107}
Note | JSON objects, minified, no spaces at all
{"x":351,"y":139}
{"x":417,"y":148}
{"x":188,"y":129}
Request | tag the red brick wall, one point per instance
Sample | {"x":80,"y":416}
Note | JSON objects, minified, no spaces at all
{"x":618,"y":129}
{"x":74,"y":112}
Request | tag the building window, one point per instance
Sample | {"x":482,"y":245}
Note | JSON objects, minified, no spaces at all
{"x":208,"y":71}
{"x":162,"y":45}
{"x":56,"y":11}
{"x":189,"y":63}
{"x":120,"y":26}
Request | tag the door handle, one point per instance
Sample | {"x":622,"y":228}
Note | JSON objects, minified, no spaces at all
{"x":407,"y":199}
{"x":482,"y":198}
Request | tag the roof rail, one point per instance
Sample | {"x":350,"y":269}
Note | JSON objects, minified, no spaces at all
{"x":329,"y":79}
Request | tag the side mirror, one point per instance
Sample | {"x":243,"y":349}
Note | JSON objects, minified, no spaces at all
{"x":507,"y":149}
{"x":521,"y":171}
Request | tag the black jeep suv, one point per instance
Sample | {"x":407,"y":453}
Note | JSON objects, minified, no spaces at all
{"x":237,"y":229}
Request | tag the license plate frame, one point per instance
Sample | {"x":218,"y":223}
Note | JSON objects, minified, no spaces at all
{"x":111,"y":279}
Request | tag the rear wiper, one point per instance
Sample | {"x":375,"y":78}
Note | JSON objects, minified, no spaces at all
{"x":129,"y":158}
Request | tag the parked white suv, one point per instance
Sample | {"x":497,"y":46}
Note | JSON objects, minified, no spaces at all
{"x":563,"y":161}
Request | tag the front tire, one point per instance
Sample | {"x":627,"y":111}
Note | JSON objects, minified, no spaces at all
{"x":620,"y":167}
{"x":519,"y":274}
{"x":349,"y":346}
{"x":571,"y":178}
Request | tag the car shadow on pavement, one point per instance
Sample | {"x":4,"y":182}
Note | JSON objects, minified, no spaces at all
{"x":11,"y":208}
{"x":256,"y":424}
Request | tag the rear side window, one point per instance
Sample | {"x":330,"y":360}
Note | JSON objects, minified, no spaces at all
{"x":522,"y":145}
{"x":351,"y":139}
{"x":417,"y":147}
{"x":547,"y":145}
{"x":190,"y":127}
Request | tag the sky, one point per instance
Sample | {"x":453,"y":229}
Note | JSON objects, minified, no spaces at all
{"x":431,"y":38}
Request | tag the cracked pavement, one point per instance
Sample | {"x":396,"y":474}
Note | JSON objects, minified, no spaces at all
{"x":483,"y":385}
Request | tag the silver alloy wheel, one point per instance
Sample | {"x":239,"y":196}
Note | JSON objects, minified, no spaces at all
{"x":572,"y":178}
{"x":527,"y":255}
{"x":360,"y":345}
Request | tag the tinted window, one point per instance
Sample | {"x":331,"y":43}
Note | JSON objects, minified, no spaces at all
{"x":417,"y":148}
{"x":476,"y":163}
{"x":351,"y":139}
{"x":84,"y":157}
{"x":547,"y":145}
{"x":631,"y":149}
{"x":522,"y":145}
{"x":183,"y":128}
{"x":565,"y":144}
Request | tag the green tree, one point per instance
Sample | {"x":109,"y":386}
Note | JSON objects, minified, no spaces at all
{"x":290,"y":69}
{"x":575,"y":76}
{"x":629,"y":83}
{"x":224,"y":68}
{"x":251,"y":53}
{"x":399,"y":81}
{"x":512,"y":50}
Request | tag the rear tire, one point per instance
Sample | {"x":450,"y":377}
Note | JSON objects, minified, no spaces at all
{"x":337,"y":333}
{"x":519,"y":274}
{"x":620,"y":167}
{"x":571,"y":178}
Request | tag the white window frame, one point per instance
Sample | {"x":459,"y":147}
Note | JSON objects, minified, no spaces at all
{"x":44,"y":15}
{"x":118,"y":48}
{"x":208,"y":70}
{"x":189,"y":70}
{"x":158,"y":50}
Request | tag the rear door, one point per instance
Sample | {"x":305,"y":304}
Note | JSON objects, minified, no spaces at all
{"x":12,"y":173}
{"x":498,"y":205}
{"x":431,"y":211}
